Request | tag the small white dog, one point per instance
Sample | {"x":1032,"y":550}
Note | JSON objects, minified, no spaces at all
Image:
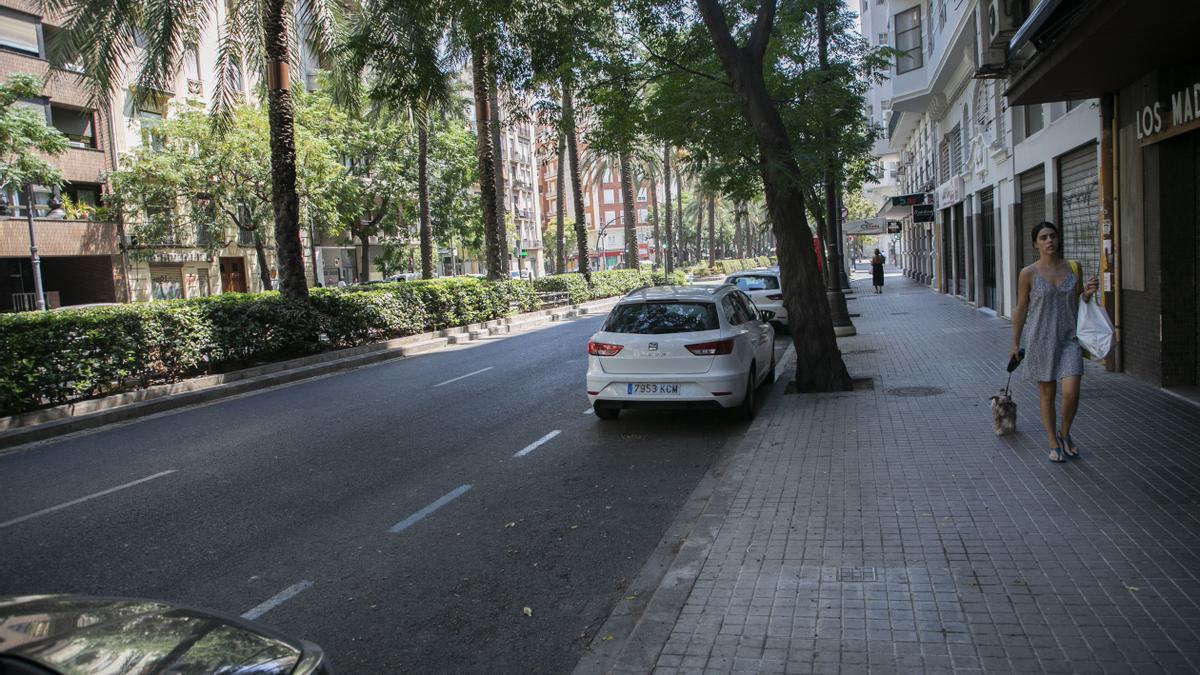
{"x":1004,"y":413}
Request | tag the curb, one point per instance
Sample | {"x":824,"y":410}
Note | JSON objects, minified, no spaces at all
{"x":639,"y":627}
{"x":82,"y":415}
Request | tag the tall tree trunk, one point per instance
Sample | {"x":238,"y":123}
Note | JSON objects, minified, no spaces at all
{"x":289,"y":254}
{"x":712,"y":238}
{"x":833,"y":251}
{"x":658,"y":248}
{"x":819,"y":365}
{"x":487,"y":167}
{"x":737,"y":233}
{"x":502,"y":207}
{"x":560,"y":256}
{"x":669,"y":248}
{"x":631,"y":242}
{"x":423,"y":195}
{"x":679,"y":218}
{"x":364,"y":271}
{"x":576,"y":181}
{"x":699,"y":229}
{"x":264,"y":268}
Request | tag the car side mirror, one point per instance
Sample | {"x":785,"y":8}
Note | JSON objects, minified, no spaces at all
{"x":766,"y":314}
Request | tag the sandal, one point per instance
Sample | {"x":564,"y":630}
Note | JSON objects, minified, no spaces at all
{"x":1068,"y":445}
{"x":1057,"y":455}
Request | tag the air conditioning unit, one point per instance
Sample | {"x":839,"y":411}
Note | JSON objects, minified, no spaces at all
{"x":1001,"y":20}
{"x":991,"y":61}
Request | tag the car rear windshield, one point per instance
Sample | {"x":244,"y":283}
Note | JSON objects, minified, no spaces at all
{"x":656,"y":318}
{"x":755,"y":283}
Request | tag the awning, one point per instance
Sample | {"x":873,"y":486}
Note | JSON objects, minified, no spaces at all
{"x":892,"y":212}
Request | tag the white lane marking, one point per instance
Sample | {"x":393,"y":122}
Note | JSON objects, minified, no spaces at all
{"x":73,"y":502}
{"x":419,"y":515}
{"x":280,"y":598}
{"x":463,"y":377}
{"x":534,"y":445}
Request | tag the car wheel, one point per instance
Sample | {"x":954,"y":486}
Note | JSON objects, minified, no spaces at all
{"x":745,"y":411}
{"x":605,"y":412}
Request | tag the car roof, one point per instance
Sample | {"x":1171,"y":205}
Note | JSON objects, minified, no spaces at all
{"x":694,"y":293}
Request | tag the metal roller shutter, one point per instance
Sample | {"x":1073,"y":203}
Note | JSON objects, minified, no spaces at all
{"x":1033,"y":210}
{"x":987,"y":205}
{"x":166,"y":282}
{"x":1079,"y":206}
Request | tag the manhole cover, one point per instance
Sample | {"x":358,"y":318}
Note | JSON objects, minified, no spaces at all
{"x":916,"y":391}
{"x":855,"y":574}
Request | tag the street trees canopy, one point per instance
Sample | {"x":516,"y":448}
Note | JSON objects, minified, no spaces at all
{"x":153,"y":36}
{"x":738,"y":85}
{"x":25,"y":138}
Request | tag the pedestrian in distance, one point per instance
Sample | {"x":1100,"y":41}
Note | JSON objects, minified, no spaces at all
{"x":877,"y":261}
{"x":1048,"y":293}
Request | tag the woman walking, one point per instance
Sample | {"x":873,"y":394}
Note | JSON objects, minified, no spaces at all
{"x":877,"y":261}
{"x":1047,"y":293}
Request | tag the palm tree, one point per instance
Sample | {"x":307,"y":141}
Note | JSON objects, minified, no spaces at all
{"x":104,"y":36}
{"x":568,"y":112}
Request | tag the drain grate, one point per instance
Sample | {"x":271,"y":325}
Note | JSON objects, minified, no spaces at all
{"x":916,"y":391}
{"x":855,"y":574}
{"x":862,"y":351}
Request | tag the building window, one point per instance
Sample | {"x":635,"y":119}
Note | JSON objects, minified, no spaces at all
{"x":944,"y":161}
{"x":1034,"y":119}
{"x":641,"y":195}
{"x":641,"y":215}
{"x":956,"y":159}
{"x":883,"y":39}
{"x":191,"y":62}
{"x":908,"y":40}
{"x":77,"y":125}
{"x":609,"y":198}
{"x":20,"y":32}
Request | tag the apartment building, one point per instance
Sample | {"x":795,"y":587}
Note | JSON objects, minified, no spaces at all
{"x":1005,"y":114}
{"x":81,"y":259}
{"x":974,"y":173}
{"x":604,"y":205}
{"x":1139,"y":62}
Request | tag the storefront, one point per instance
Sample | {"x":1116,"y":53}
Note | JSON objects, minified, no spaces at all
{"x":1145,"y":215}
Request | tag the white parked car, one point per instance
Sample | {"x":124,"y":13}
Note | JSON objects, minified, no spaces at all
{"x":681,"y":347}
{"x":765,"y":289}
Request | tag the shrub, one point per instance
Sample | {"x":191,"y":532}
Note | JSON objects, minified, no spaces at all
{"x":48,"y":358}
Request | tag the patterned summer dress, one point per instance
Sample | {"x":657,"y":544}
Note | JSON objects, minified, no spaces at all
{"x":1051,"y":350}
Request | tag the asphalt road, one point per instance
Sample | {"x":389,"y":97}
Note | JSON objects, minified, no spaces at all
{"x":381,"y":513}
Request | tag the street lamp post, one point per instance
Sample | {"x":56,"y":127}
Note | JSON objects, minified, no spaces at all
{"x":34,"y":260}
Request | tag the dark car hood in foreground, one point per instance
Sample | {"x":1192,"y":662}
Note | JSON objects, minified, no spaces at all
{"x":83,"y":635}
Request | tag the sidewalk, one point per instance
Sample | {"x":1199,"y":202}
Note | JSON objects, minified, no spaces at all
{"x":889,"y":530}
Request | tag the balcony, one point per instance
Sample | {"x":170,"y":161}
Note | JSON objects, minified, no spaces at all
{"x":952,"y":60}
{"x":58,"y":237}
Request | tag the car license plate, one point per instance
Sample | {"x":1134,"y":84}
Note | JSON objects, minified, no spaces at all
{"x":652,"y":388}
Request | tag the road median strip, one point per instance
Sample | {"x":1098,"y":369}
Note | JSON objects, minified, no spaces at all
{"x":79,"y":416}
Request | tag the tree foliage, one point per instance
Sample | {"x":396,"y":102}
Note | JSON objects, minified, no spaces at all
{"x":25,"y":137}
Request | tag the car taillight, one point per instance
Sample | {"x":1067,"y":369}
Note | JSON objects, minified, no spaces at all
{"x":775,"y":296}
{"x":603,"y":348}
{"x":712,"y":348}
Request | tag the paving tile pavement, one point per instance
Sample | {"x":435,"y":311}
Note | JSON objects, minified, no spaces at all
{"x":878,"y":531}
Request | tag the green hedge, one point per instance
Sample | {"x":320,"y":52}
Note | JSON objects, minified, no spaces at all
{"x":48,"y":358}
{"x":605,"y":283}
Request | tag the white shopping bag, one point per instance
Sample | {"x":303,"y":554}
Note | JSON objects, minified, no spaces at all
{"x":1093,"y":329}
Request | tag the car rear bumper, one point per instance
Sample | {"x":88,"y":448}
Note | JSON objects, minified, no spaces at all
{"x":707,"y":390}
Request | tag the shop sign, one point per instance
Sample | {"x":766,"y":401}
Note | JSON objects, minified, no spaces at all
{"x":893,"y":227}
{"x":909,"y":200}
{"x":923,"y":217}
{"x":1152,"y":122}
{"x":189,"y":257}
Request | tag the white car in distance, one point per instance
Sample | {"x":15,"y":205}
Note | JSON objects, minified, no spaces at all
{"x":765,"y":289}
{"x":681,"y":347}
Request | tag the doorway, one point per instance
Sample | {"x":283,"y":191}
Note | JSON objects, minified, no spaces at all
{"x":987,"y":233}
{"x":233,"y":274}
